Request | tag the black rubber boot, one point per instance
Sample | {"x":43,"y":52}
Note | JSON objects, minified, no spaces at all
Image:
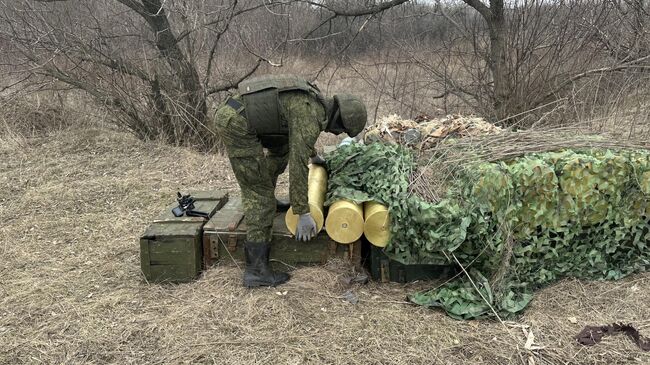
{"x":282,"y":205}
{"x":258,"y":272}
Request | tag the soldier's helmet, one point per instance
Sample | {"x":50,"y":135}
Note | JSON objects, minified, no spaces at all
{"x":353,"y":113}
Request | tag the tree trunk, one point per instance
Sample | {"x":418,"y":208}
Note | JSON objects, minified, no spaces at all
{"x":194,"y":111}
{"x":498,"y":55}
{"x":498,"y":62}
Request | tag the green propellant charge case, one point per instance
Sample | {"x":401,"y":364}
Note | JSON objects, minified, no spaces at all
{"x":170,"y":248}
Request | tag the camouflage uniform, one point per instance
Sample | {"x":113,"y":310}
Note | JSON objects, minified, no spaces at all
{"x":257,"y":173}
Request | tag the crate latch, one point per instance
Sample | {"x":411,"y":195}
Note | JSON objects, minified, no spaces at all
{"x":231,"y":245}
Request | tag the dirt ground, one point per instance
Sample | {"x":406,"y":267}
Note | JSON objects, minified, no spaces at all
{"x":74,"y":204}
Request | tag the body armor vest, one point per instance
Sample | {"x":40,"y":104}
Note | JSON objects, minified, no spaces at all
{"x":262,"y":104}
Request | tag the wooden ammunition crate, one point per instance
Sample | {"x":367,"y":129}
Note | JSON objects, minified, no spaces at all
{"x":383,"y":269}
{"x":225,"y":233}
{"x":170,"y":248}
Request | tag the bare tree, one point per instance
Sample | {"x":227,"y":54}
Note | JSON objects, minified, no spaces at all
{"x":627,"y":36}
{"x":509,"y":58}
{"x":155,"y":63}
{"x":150,"y":62}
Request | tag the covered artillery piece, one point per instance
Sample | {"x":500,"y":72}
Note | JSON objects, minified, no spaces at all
{"x":516,"y":210}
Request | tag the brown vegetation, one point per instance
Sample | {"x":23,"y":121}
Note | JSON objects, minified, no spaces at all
{"x":76,"y":189}
{"x":158,"y":67}
{"x":74,"y":203}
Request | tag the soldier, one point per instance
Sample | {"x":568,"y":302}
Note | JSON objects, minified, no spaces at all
{"x":284,"y":115}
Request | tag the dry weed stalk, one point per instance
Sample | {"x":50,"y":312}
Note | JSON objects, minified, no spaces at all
{"x":444,"y":160}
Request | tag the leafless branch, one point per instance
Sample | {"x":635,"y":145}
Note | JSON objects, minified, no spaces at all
{"x":234,"y":83}
{"x":628,"y":65}
{"x":368,"y":10}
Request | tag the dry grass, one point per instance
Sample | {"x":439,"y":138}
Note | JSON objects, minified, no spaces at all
{"x":73,"y":205}
{"x":443,"y":160}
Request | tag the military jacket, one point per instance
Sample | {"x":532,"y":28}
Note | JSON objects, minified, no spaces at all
{"x":305,"y":118}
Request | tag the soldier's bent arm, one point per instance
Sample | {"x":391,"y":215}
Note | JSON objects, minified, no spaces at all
{"x":304,"y":115}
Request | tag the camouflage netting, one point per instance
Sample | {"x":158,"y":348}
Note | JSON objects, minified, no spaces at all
{"x":514,"y":225}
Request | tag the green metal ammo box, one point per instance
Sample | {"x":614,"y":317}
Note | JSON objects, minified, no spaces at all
{"x":170,"y":248}
{"x":384,"y":269}
{"x":225,"y":233}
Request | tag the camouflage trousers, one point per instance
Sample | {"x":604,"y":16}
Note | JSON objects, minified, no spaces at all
{"x":256,"y":172}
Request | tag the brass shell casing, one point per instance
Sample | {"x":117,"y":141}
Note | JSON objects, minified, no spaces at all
{"x":316,"y":189}
{"x":377,"y":224}
{"x":344,"y":223}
